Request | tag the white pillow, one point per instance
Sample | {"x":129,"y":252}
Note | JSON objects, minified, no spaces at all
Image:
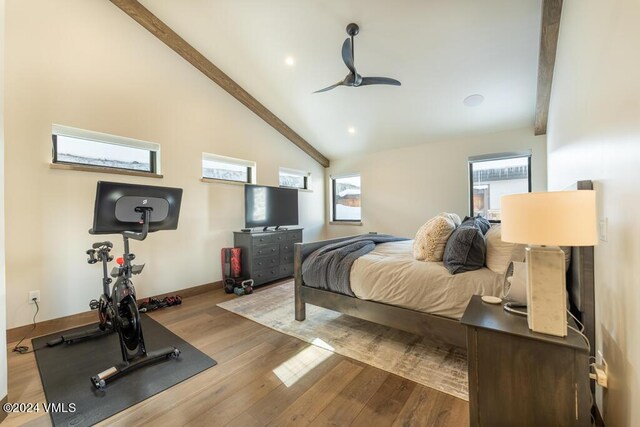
{"x":432,"y":237}
{"x":499,"y":253}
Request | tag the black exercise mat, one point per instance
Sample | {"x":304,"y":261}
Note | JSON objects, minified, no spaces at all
{"x":66,"y":370}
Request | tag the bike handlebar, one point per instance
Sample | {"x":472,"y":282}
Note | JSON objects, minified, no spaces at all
{"x":100,"y":244}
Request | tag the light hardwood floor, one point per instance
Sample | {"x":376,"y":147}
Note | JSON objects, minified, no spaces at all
{"x":243,"y":390}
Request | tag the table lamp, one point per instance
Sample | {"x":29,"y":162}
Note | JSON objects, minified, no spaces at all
{"x":545,"y":221}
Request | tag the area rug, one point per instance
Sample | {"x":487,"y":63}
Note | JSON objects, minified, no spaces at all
{"x":66,"y":370}
{"x":436,"y":365}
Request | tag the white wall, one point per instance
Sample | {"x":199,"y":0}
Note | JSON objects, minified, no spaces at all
{"x":594,"y":133}
{"x":403,"y":188}
{"x":85,"y":64}
{"x":3,"y":292}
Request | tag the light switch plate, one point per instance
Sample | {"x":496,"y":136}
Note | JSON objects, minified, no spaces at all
{"x":603,"y":229}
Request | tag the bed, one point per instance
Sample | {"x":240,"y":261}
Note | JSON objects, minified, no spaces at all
{"x":441,"y":323}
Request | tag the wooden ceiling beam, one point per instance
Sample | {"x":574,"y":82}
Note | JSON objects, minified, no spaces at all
{"x":169,"y":37}
{"x":550,"y":28}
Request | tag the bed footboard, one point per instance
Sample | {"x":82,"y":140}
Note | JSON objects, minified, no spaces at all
{"x":300,"y":252}
{"x":428,"y":325}
{"x":301,"y":308}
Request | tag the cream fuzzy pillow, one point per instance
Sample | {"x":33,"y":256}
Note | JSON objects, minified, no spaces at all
{"x":432,"y":237}
{"x":452,"y":216}
{"x":499,"y":253}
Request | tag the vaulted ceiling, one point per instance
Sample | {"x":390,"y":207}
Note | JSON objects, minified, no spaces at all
{"x":441,"y":50}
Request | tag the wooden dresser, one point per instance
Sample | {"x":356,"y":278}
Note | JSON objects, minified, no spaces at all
{"x":521,"y":378}
{"x":267,"y":255}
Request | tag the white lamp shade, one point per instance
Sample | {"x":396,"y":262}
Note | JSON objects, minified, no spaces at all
{"x":561,"y":218}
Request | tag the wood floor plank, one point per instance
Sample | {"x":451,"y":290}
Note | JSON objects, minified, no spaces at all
{"x":244,"y":389}
{"x":421,"y":409}
{"x":385,"y":405}
{"x":304,"y":409}
{"x":274,"y":403}
{"x":244,"y":420}
{"x":349,"y":402}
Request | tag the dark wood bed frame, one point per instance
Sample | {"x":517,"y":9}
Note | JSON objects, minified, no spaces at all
{"x":580,"y":284}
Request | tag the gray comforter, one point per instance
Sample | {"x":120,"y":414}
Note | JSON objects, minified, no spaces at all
{"x":329,"y":267}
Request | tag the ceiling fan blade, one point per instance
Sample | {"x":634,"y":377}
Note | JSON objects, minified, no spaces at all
{"x":330,"y":87}
{"x":347,"y":55}
{"x":379,"y":81}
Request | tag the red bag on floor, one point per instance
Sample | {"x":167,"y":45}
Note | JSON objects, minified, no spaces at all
{"x":231,"y":262}
{"x":236,"y":262}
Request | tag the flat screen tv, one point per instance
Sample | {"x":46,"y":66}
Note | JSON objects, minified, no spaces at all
{"x":117,"y":207}
{"x":270,"y":206}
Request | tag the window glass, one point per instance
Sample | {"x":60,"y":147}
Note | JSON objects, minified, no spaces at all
{"x":493,"y":178}
{"x":102,"y":154}
{"x":224,"y":170}
{"x":294,"y":179}
{"x":346,"y":199}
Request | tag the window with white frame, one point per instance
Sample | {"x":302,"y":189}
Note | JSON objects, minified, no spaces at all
{"x":346,"y":202}
{"x":496,"y":175}
{"x":292,"y":178}
{"x":224,"y":168}
{"x":85,"y":148}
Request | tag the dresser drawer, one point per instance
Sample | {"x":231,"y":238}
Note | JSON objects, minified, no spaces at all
{"x":263,"y":239}
{"x":295,"y":236}
{"x":263,"y":276}
{"x":266,"y":262}
{"x":266,"y":250}
{"x":286,"y":258}
{"x":286,"y":269}
{"x":280,"y":237}
{"x":286,"y":248}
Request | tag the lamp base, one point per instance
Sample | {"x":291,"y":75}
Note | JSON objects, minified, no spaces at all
{"x":546,"y":290}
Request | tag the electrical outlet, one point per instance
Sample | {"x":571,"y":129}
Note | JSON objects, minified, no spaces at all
{"x":32,"y":295}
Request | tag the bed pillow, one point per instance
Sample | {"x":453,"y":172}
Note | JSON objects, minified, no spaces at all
{"x":477,"y":221}
{"x":452,"y":216}
{"x":465,"y":250}
{"x":431,"y":238}
{"x":499,"y":253}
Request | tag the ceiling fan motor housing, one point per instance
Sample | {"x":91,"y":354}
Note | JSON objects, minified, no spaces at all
{"x":353,"y":29}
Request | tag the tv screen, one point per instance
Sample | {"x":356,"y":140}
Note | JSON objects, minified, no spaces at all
{"x":115,"y":207}
{"x":270,"y":206}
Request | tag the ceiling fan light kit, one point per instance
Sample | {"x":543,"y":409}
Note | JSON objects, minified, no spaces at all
{"x":353,"y":79}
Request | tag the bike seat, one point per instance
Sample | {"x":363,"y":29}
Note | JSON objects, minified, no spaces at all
{"x":137,"y":269}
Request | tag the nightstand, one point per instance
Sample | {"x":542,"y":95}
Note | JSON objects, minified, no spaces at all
{"x":522,"y":378}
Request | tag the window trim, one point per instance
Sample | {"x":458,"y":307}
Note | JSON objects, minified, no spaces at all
{"x":305,"y":175}
{"x":250,"y":165}
{"x":497,"y":156}
{"x":104,"y":138}
{"x":335,"y":221}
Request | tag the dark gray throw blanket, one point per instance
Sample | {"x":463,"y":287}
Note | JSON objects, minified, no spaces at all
{"x":329,"y":267}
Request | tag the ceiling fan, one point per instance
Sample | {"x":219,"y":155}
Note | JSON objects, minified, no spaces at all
{"x":354,"y":79}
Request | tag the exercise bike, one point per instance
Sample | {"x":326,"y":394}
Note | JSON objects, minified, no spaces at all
{"x":117,"y":307}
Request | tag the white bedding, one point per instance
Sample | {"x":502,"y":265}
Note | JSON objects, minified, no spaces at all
{"x":390,"y":275}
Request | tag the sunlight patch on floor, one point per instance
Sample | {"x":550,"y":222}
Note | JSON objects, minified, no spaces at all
{"x":303,"y":362}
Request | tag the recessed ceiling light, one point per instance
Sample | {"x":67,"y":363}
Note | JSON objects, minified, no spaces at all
{"x":351,"y":130}
{"x":290,"y":61}
{"x":473,"y":100}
